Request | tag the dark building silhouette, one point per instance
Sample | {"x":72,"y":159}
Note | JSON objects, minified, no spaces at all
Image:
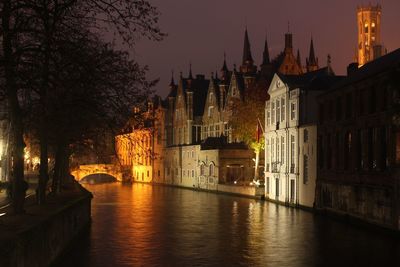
{"x":359,"y":144}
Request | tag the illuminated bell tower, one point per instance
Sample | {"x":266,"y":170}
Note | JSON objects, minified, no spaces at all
{"x":369,"y":33}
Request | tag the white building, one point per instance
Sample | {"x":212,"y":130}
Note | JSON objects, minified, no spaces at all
{"x":291,"y":136}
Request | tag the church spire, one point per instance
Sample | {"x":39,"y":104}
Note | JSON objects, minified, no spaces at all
{"x":312,"y":61}
{"x":190,"y":71}
{"x":247,"y":66}
{"x":247,"y":58}
{"x":172,"y":83}
{"x":266,"y":60}
{"x":224,"y":66}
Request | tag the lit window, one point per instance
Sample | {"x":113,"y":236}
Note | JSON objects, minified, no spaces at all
{"x":373,"y":24}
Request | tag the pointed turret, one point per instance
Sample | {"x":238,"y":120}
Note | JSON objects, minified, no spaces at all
{"x":312,"y":61}
{"x":190,"y":71}
{"x":172,"y":83}
{"x":247,"y":66}
{"x":247,"y":58}
{"x":266,"y":66}
{"x":266,"y":60}
{"x":224,"y":70}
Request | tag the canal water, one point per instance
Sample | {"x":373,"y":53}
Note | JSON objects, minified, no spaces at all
{"x":145,"y":225}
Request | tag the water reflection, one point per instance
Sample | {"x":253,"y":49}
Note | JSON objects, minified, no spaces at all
{"x":143,"y":225}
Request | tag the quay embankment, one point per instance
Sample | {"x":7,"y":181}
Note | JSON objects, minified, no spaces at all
{"x":38,"y":237}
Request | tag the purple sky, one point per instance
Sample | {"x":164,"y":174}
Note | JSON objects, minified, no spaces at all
{"x":199,"y":31}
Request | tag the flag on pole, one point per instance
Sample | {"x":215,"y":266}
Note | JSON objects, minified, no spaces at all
{"x":259,"y":130}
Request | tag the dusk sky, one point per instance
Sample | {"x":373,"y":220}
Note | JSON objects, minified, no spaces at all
{"x":200,"y":31}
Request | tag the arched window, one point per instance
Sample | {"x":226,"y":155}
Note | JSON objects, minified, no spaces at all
{"x":211,"y":170}
{"x":202,"y":169}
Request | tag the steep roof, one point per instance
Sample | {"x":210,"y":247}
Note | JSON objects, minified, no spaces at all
{"x":199,"y":87}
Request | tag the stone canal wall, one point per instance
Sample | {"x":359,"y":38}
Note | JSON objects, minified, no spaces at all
{"x":37,"y":238}
{"x":249,"y":191}
{"x":374,"y":205}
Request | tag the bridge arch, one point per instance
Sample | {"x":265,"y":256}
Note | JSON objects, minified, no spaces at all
{"x":86,"y":170}
{"x":98,"y":178}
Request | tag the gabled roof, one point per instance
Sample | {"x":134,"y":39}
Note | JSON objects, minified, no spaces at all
{"x":199,"y":87}
{"x":239,"y":81}
{"x":214,"y":83}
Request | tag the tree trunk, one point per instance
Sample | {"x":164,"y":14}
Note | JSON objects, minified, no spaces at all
{"x":43,"y":127}
{"x":61,"y":167}
{"x":257,"y":152}
{"x":19,"y":186}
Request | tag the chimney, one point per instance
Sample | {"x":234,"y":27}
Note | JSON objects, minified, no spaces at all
{"x":351,"y":68}
{"x":288,"y":41}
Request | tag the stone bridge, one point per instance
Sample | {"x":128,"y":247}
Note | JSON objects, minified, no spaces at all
{"x":85,"y":170}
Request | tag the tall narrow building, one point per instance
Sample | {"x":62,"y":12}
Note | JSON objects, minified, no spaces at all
{"x":369,"y":33}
